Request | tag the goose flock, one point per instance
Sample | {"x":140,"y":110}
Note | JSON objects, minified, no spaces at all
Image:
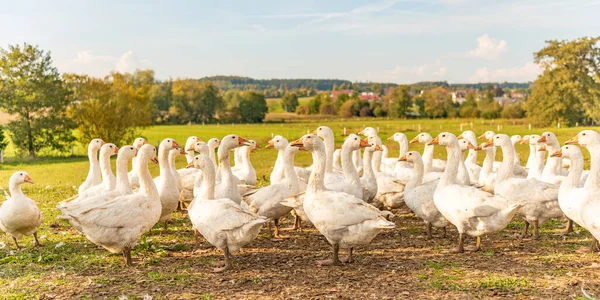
{"x":346,"y":194}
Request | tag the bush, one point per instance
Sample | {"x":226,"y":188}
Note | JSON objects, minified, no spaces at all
{"x":513,"y":111}
{"x":366,"y":112}
{"x":347,"y":109}
{"x":302,"y":110}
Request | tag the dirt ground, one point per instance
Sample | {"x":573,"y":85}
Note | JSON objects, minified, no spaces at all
{"x":398,"y":264}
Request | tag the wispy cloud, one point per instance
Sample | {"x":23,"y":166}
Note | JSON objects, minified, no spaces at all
{"x":406,"y":74}
{"x":488,"y":48}
{"x":526,"y":72}
{"x":87,"y":61}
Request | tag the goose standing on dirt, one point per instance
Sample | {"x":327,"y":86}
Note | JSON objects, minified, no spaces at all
{"x":166,"y":183}
{"x":553,"y":170}
{"x":227,"y":187}
{"x":19,"y":215}
{"x":471,"y":210}
{"x":246,"y":173}
{"x":221,"y":221}
{"x":418,"y":196}
{"x":94,"y":176}
{"x":430,"y":164}
{"x":368,"y":180}
{"x":473,"y":168}
{"x":371,"y":133}
{"x":109,"y":181}
{"x":117,"y":222}
{"x":133,"y":178}
{"x":344,"y":220}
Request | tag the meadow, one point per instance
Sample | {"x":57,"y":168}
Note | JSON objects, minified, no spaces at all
{"x":398,"y":264}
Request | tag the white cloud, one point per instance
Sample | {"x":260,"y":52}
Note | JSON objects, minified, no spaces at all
{"x":88,"y":62}
{"x":488,"y":48}
{"x":409,"y":74}
{"x":527,"y":72}
{"x":129,"y":62}
{"x":88,"y":56}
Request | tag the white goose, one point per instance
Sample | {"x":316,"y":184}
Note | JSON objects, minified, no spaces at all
{"x":471,"y":210}
{"x":19,"y":215}
{"x":357,"y":161}
{"x":350,"y":183}
{"x":191,"y":178}
{"x":418,"y":196}
{"x":572,"y":195}
{"x":326,"y":134}
{"x":401,"y":170}
{"x":278,"y":143}
{"x":117,"y":222}
{"x":471,"y":161}
{"x":553,"y":170}
{"x":539,"y":200}
{"x":371,"y":133}
{"x":166,"y":183}
{"x":463,"y":173}
{"x":266,"y":201}
{"x":487,"y":176}
{"x":109,"y":181}
{"x":344,"y":220}
{"x":213,"y":144}
{"x":537,"y":164}
{"x":134,"y":179}
{"x":387,"y":163}
{"x":368,"y":180}
{"x":189,"y":144}
{"x":173,"y":165}
{"x":337,"y":157}
{"x":429,"y":163}
{"x":93,"y":177}
{"x":227,"y":186}
{"x":221,"y":221}
{"x":246,"y":173}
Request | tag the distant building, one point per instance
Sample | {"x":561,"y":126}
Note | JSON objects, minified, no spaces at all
{"x":459,"y":96}
{"x":369,"y":96}
{"x":335,"y":94}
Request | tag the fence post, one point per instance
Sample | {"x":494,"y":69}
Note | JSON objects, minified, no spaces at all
{"x":1,"y":157}
{"x":558,"y":124}
{"x":529,"y":126}
{"x":344,"y":131}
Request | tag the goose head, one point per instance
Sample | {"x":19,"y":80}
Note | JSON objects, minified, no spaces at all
{"x":568,"y":151}
{"x":585,"y":138}
{"x":422,"y":138}
{"x":200,"y":147}
{"x":515,"y":139}
{"x":465,"y":145}
{"x":525,"y":139}
{"x":368,"y":131}
{"x":533,"y":139}
{"x":19,"y":178}
{"x":201,"y":162}
{"x":487,"y":135}
{"x":190,"y":141}
{"x":411,"y":156}
{"x":308,"y":142}
{"x":139,"y":142}
{"x":500,"y":140}
{"x":278,"y":143}
{"x":108,"y":150}
{"x":175,"y":152}
{"x":95,"y":144}
{"x":468,"y":135}
{"x":128,"y":152}
{"x":213,"y":143}
{"x":445,"y":139}
{"x":398,"y":137}
{"x":148,"y":151}
{"x":169,"y":144}
{"x":232,"y":141}
{"x":370,"y":145}
{"x":252,"y":144}
{"x":549,"y":138}
{"x":354,"y":142}
{"x":323,"y":132}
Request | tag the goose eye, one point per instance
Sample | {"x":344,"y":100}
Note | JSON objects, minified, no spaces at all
{"x":131,"y":148}
{"x":233,"y":137}
{"x":443,"y":135}
{"x":21,"y":174}
{"x":583,"y":134}
{"x":355,"y":139}
{"x":320,"y":128}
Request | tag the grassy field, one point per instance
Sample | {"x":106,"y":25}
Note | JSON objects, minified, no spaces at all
{"x":274,"y":104}
{"x":398,"y":264}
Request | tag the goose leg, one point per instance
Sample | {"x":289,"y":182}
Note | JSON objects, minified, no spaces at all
{"x":332,"y":262}
{"x":348,"y":259}
{"x":428,"y":227}
{"x":444,"y":236}
{"x":535,"y":230}
{"x":16,"y":243}
{"x":461,"y":242}
{"x":197,"y":237}
{"x":227,"y":262}
{"x":525,"y":229}
{"x":594,"y":247}
{"x":127,"y":256}
{"x":165,"y":225}
{"x":297,"y":225}
{"x":569,"y":228}
{"x":37,"y":242}
{"x":277,"y":235}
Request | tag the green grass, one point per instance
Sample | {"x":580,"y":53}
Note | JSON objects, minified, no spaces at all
{"x":274,"y":104}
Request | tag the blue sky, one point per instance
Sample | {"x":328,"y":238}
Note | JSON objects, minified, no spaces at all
{"x":383,"y":40}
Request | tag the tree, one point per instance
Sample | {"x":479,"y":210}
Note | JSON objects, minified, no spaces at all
{"x":3,"y":140}
{"x":326,"y":107}
{"x":253,"y":107}
{"x":112,"y":108}
{"x":399,"y":101}
{"x":289,"y":102}
{"x":568,"y":91}
{"x":314,"y":105}
{"x":435,"y":102}
{"x":347,"y":109}
{"x":489,"y":108}
{"x":469,"y":109}
{"x":32,"y":90}
{"x":195,"y":101}
{"x":513,"y":111}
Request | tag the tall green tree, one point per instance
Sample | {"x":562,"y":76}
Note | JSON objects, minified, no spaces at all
{"x":314,"y":105}
{"x":32,"y":90}
{"x":194,"y":101}
{"x":489,"y":108}
{"x":568,"y":90}
{"x":436,"y":102}
{"x":399,"y":101}
{"x":469,"y":109}
{"x":253,"y":107}
{"x":289,"y":102}
{"x":3,"y":140}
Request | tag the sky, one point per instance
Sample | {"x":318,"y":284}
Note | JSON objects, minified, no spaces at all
{"x":397,"y":41}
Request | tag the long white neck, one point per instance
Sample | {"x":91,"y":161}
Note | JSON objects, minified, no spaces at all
{"x":316,"y":181}
{"x":368,"y":173}
{"x":463,"y":174}
{"x":416,"y":178}
{"x":147,"y":186}
{"x":164,"y":166}
{"x":428,"y":158}
{"x":224,"y":165}
{"x":376,"y":162}
{"x":132,"y":164}
{"x":508,"y":163}
{"x":278,"y":169}
{"x":329,"y":148}
{"x":189,"y":156}
{"x":593,"y":180}
{"x":358,"y":162}
{"x":172,"y":158}
{"x":537,"y":165}
{"x":452,"y":164}
{"x":288,"y":169}
{"x":94,"y":171}
{"x":472,"y":157}
{"x":212,"y":155}
{"x":516,"y":154}
{"x":123,"y":185}
{"x":403,"y":143}
{"x":207,"y":189}
{"x":553,"y":164}
{"x":15,"y":190}
{"x":574,"y":177}
{"x":245,"y":153}
{"x":531,"y":158}
{"x":348,"y":168}
{"x":337,"y":157}
{"x":488,"y":165}
{"x":108,"y":178}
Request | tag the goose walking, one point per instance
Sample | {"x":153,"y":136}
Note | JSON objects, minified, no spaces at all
{"x":19,"y":215}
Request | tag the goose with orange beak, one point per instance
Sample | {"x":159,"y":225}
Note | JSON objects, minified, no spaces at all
{"x":553,"y":172}
{"x":134,"y":179}
{"x":19,"y":215}
{"x":94,"y":175}
{"x":430,"y":164}
{"x":246,"y":172}
{"x":227,"y":183}
{"x":368,"y":180}
{"x":166,"y":182}
{"x":344,"y":220}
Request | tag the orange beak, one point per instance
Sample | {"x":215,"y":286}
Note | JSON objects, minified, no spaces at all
{"x":258,"y":146}
{"x":315,"y":131}
{"x":28,"y":179}
{"x":414,"y":140}
{"x":242,"y":141}
{"x":364,"y":143}
{"x":460,"y":136}
{"x":391,"y":138}
{"x":175,"y":145}
{"x":542,"y":139}
{"x":481,"y":136}
{"x":271,"y":144}
{"x":145,"y":142}
{"x":190,"y":165}
{"x":542,"y":148}
{"x":378,"y":148}
{"x":181,"y":151}
{"x":478,"y":148}
{"x":402,"y":158}
{"x":297,"y":143}
{"x":490,"y":142}
{"x":573,"y":141}
{"x":362,"y":132}
{"x":102,"y":143}
{"x":154,"y":160}
{"x":524,"y":140}
{"x":435,"y":141}
{"x":470,"y":146}
{"x":557,"y":153}
{"x":116,"y":149}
